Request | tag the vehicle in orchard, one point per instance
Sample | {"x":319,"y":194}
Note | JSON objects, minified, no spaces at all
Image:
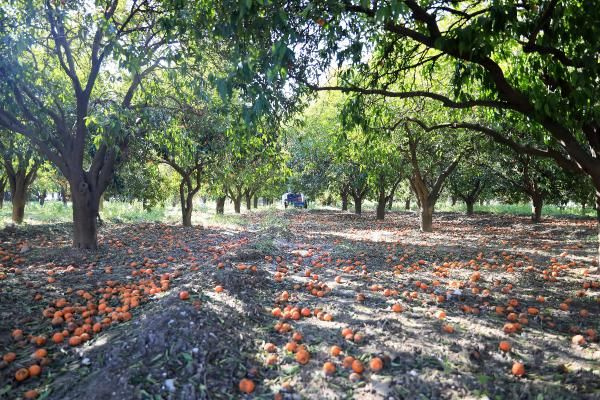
{"x":294,"y":199}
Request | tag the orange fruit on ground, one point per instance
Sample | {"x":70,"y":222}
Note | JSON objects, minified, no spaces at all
{"x":31,"y":394}
{"x":357,"y":366}
{"x":218,"y":289}
{"x":21,"y":374}
{"x":533,"y":311}
{"x":58,"y":337}
{"x":518,"y":369}
{"x":346,"y":332}
{"x":348,"y":360}
{"x":504,"y":346}
{"x":9,"y":357}
{"x":34,"y":370}
{"x":272,"y":359}
{"x":329,"y":368}
{"x":335,"y":350}
{"x":448,"y":328}
{"x":578,"y":340}
{"x":184,"y":295}
{"x":40,"y":353}
{"x":270,"y":348}
{"x":358,"y":337}
{"x":302,"y":356}
{"x":376,"y":364}
{"x":397,"y":308}
{"x":74,"y":341}
{"x":297,"y":336}
{"x":17,"y":334}
{"x":291,"y":346}
{"x":246,"y":386}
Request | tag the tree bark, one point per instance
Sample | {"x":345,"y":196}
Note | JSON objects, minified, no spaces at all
{"x":85,"y":213}
{"x":407,"y":204}
{"x":426,"y":212}
{"x":3,"y":182}
{"x":381,"y":204}
{"x":390,"y":203}
{"x":237,"y":205}
{"x":470,"y":203}
{"x":537,"y":202}
{"x":18,"y":195}
{"x":221,"y":204}
{"x":453,"y":200}
{"x":344,"y":201}
{"x":63,"y":196}
{"x":255,"y":205}
{"x":186,"y":216}
{"x":248,"y":197}
{"x":357,"y":205}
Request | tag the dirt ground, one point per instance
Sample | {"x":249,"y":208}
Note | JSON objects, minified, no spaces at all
{"x":432,"y":307}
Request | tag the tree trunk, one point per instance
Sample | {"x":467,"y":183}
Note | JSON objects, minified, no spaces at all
{"x":255,"y":205}
{"x":237,"y":204}
{"x":85,"y":213}
{"x":597,"y":204}
{"x":186,"y":216}
{"x":221,"y":204}
{"x":452,"y":201}
{"x":63,"y":196}
{"x":42,"y":197}
{"x":426,"y":211}
{"x":357,"y":205}
{"x":481,"y":202}
{"x":381,"y":204}
{"x":390,"y":203}
{"x":18,"y":195}
{"x":470,"y":203}
{"x":2,"y":192}
{"x":407,"y":204}
{"x":344,"y":201}
{"x":101,"y":202}
{"x":537,"y":203}
{"x":248,"y":201}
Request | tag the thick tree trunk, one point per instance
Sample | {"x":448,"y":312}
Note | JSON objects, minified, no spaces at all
{"x":2,"y":192}
{"x":248,"y":201}
{"x":537,"y":202}
{"x":357,"y":205}
{"x":597,"y":204}
{"x":255,"y":205}
{"x":470,"y":203}
{"x":453,"y":200}
{"x":186,"y":216}
{"x":18,"y":195}
{"x":85,"y":213}
{"x":381,"y":204}
{"x":344,"y":201}
{"x":221,"y":204}
{"x":237,"y":204}
{"x":426,"y":212}
{"x":407,"y":204}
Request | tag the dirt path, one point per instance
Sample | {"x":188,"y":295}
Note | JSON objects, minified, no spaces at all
{"x":305,"y":276}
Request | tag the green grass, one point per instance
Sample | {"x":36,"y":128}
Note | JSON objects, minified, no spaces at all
{"x":56,"y":212}
{"x":120,"y":212}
